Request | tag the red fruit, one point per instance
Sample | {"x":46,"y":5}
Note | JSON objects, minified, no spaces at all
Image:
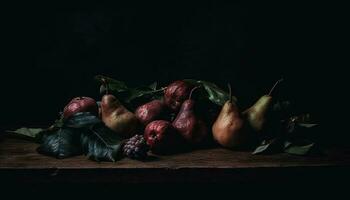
{"x":150,"y":111}
{"x":190,"y":125}
{"x":80,"y":104}
{"x":162,"y":138}
{"x":176,"y":93}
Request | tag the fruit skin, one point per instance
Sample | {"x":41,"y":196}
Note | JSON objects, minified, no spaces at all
{"x":176,"y":93}
{"x":136,"y":147}
{"x":80,"y":104}
{"x":162,"y":137}
{"x":117,"y":117}
{"x":228,"y":127}
{"x":150,"y":111}
{"x":189,"y":125}
{"x":256,"y":115}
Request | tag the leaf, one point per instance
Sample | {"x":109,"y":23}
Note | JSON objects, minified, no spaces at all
{"x":214,"y":93}
{"x":61,"y":143}
{"x":268,"y":147}
{"x":153,"y":86}
{"x":301,"y":131}
{"x":113,"y":85}
{"x":307,"y":125}
{"x":193,"y":82}
{"x":137,"y":93}
{"x":125,"y":94}
{"x":101,"y":144}
{"x":28,"y":132}
{"x":82,"y":120}
{"x":299,"y":149}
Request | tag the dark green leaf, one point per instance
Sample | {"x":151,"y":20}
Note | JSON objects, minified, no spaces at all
{"x":61,"y":143}
{"x":301,"y":131}
{"x":214,"y":93}
{"x":113,"y":85}
{"x":307,"y":125}
{"x":268,"y":147}
{"x":298,"y":149}
{"x":137,"y":93}
{"x":127,"y":95}
{"x":101,"y":144}
{"x":153,"y":86}
{"x":281,"y":106}
{"x":193,"y":82}
{"x":28,"y":132}
{"x":82,"y":120}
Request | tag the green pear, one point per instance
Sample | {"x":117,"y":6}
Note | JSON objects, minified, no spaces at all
{"x":117,"y":117}
{"x":257,"y":114}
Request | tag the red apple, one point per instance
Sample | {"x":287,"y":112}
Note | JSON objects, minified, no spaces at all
{"x":162,"y":138}
{"x":80,"y":104}
{"x":176,"y":93}
{"x":150,"y":111}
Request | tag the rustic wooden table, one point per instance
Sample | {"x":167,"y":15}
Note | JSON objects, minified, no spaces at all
{"x":19,"y":162}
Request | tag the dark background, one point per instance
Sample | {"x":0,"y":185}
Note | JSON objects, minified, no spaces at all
{"x":55,"y":50}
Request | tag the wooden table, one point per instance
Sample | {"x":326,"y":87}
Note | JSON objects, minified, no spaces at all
{"x":19,"y":162}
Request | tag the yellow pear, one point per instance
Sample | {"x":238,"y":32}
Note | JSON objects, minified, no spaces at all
{"x":227,"y":129}
{"x":117,"y":117}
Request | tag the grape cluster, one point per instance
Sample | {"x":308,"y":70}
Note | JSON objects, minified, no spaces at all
{"x":136,"y":147}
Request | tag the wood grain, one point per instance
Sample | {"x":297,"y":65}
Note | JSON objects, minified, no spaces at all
{"x":19,"y":161}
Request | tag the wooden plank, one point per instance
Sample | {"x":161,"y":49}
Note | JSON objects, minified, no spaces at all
{"x":19,"y":161}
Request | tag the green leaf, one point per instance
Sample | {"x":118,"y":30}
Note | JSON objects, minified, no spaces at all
{"x":193,"y":82}
{"x":307,"y":125}
{"x":299,"y":149}
{"x":137,"y":93}
{"x":113,"y":85}
{"x":125,"y":94}
{"x":61,"y":143}
{"x":262,"y":148}
{"x":214,"y":93}
{"x":101,"y":144}
{"x":153,"y":86}
{"x":268,"y":147}
{"x":28,"y":132}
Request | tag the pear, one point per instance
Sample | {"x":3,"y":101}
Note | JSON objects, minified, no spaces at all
{"x":190,"y":124}
{"x":256,"y":115}
{"x":117,"y":117}
{"x":228,"y":127}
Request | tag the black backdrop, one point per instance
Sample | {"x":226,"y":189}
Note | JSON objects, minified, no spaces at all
{"x":55,"y":50}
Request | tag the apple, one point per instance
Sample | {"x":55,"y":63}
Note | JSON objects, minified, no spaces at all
{"x":80,"y":104}
{"x":162,"y":137}
{"x":176,"y":93}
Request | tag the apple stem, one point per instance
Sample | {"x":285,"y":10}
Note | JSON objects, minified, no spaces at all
{"x":193,"y":89}
{"x":229,"y":91}
{"x":274,"y":86}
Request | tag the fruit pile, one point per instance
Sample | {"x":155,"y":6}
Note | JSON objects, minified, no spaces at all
{"x":185,"y":115}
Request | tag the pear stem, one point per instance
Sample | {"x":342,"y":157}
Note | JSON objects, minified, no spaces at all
{"x":229,"y":91}
{"x":274,"y":86}
{"x":104,"y":82}
{"x":193,"y":89}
